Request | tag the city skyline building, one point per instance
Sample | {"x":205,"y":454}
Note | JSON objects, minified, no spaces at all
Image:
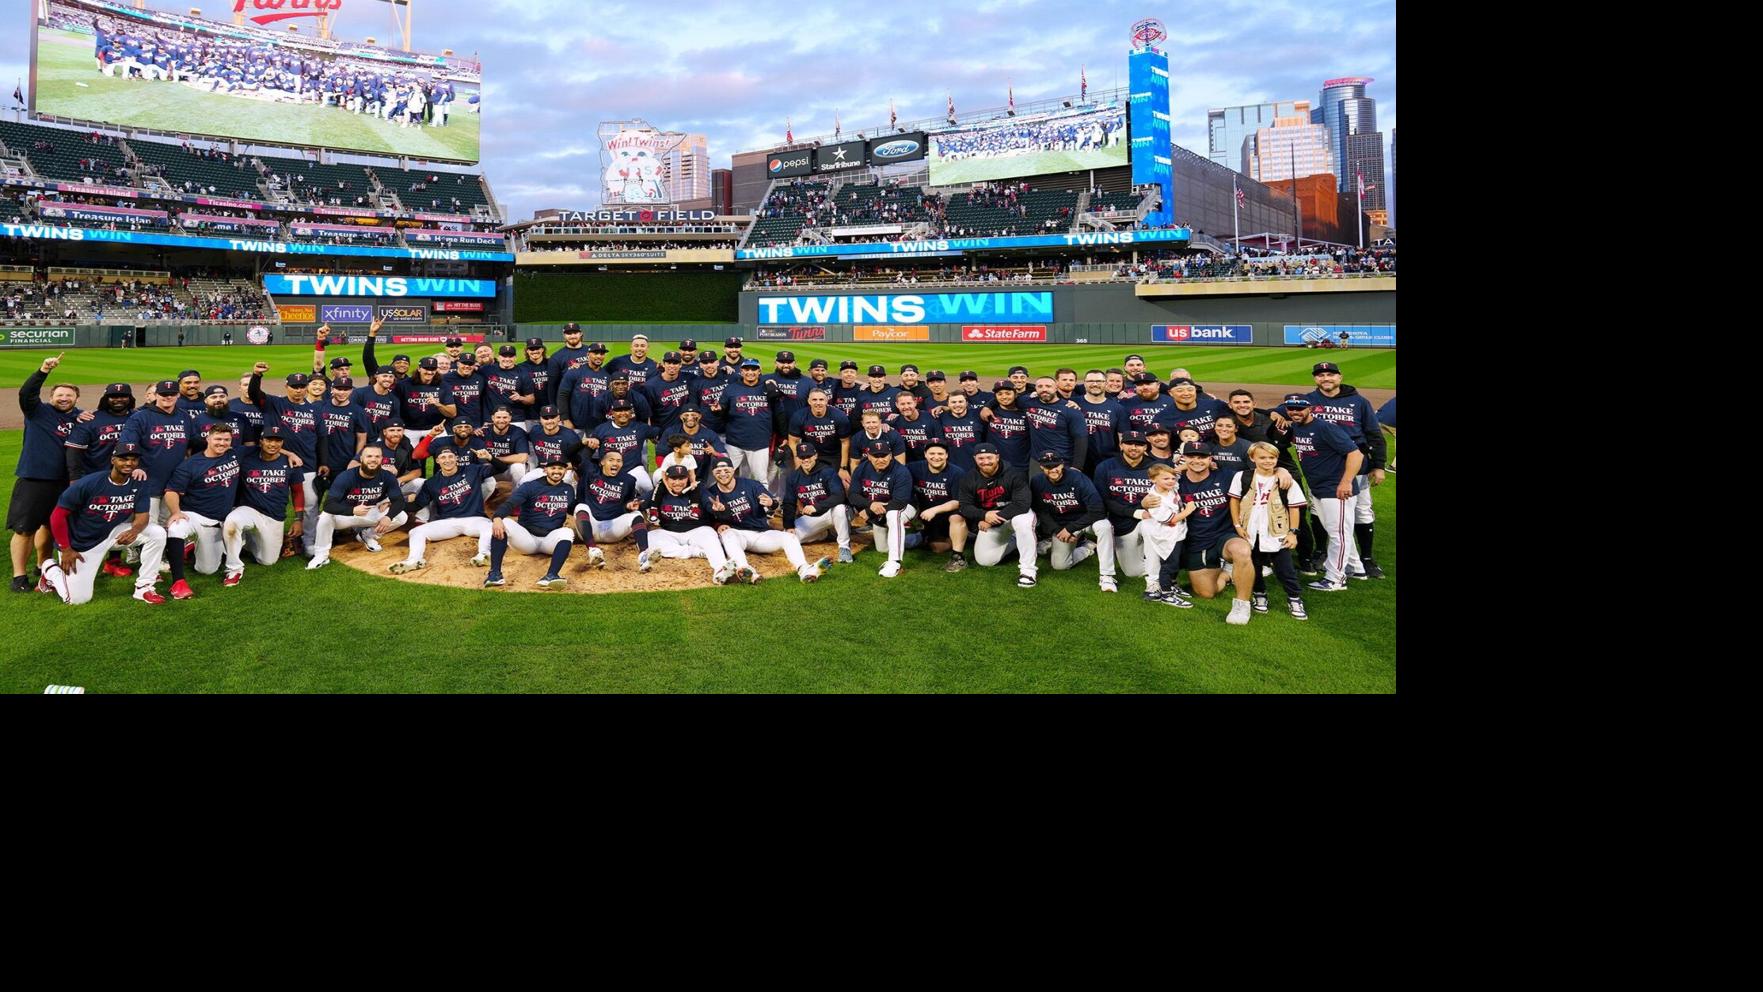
{"x":685,"y":169}
{"x":1290,"y":148}
{"x":1345,"y":110}
{"x":1365,"y":157}
{"x":1228,"y":127}
{"x":1392,"y":203}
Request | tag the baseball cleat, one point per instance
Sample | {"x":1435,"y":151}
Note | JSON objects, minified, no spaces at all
{"x":232,"y":579}
{"x":495,"y":579}
{"x":1239,"y":612}
{"x":553,"y":582}
{"x":319,"y":562}
{"x":22,"y":583}
{"x":400,"y":567}
{"x":1310,"y":566}
{"x":1175,"y":600}
{"x":370,"y":542}
{"x":1297,"y":608}
{"x":1025,"y":581}
{"x":723,"y":574}
{"x":845,"y":556}
{"x":1044,"y":546}
{"x":596,"y":558}
{"x":1258,"y":601}
{"x":890,"y":570}
{"x":181,"y":590}
{"x":1108,"y":585}
{"x":1327,"y":586}
{"x":150,"y":596}
{"x":747,"y":575}
{"x":481,"y":561}
{"x":112,"y":567}
{"x":755,"y":578}
{"x":43,"y":584}
{"x":642,"y":561}
{"x":957,"y":563}
{"x":1358,"y":576}
{"x":1371,"y":570}
{"x":814,"y":570}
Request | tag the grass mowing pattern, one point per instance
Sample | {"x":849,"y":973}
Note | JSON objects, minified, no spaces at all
{"x":971,"y":632}
{"x":1280,"y":366}
{"x":64,"y":58}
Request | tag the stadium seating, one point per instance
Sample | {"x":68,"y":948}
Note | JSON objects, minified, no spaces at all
{"x":967,"y":211}
{"x":468,"y":188}
{"x":321,"y":184}
{"x":62,"y":160}
{"x":10,"y":210}
{"x":1102,"y":202}
{"x":870,"y":203}
{"x":178,"y":167}
{"x":769,"y":231}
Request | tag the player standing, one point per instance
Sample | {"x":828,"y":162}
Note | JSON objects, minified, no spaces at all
{"x":42,"y":468}
{"x":198,"y":498}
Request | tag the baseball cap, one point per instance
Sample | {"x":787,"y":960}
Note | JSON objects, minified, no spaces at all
{"x":1157,"y":429}
{"x":389,"y":423}
{"x":1002,"y":385}
{"x":644,"y":337}
{"x":506,"y":351}
{"x":935,"y":442}
{"x":688,"y":345}
{"x":1143,"y":377}
{"x":673,"y":471}
{"x":400,"y":358}
{"x":706,"y":357}
{"x":299,"y":379}
{"x":719,"y":462}
{"x":1132,"y":437}
{"x":622,"y":405}
{"x":818,"y":363}
{"x":908,"y":368}
{"x":618,"y":377}
{"x":877,"y":448}
{"x":547,"y":411}
{"x":386,"y":370}
{"x":429,"y":363}
{"x":672,"y":357}
{"x":455,"y":341}
{"x":596,"y":348}
{"x":805,"y":449}
{"x":213,"y":390}
{"x":1182,"y":380}
{"x":1295,"y":400}
{"x":119,"y":389}
{"x":187,"y":373}
{"x":556,"y":458}
{"x":572,"y":328}
{"x":878,"y":370}
{"x":272,"y":431}
{"x":126,"y":449}
{"x":1019,"y":368}
{"x":1131,"y":357}
{"x":847,"y":364}
{"x":342,"y":382}
{"x":689,"y":406}
{"x":169,"y":387}
{"x":749,"y":363}
{"x":1049,"y":459}
{"x":467,"y":358}
{"x":936,"y":375}
{"x":532,"y":343}
{"x":985,"y":448}
{"x":969,"y":375}
{"x":1321,"y":367}
{"x":1196,"y":448}
{"x":732,"y":343}
{"x":786,"y":356}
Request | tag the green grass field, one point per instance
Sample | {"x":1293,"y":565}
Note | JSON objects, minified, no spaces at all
{"x":1283,"y":366}
{"x":64,"y":62}
{"x":973,"y":170}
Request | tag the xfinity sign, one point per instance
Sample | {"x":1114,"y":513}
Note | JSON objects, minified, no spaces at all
{"x":917,"y":308}
{"x":393,"y":286}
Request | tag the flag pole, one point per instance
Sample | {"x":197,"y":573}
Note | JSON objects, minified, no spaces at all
{"x":1361,"y":177}
{"x":1236,"y":228}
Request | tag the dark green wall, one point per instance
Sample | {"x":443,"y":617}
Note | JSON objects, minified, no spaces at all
{"x":632,"y":297}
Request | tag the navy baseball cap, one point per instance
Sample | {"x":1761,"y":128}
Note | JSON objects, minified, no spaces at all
{"x":847,"y":364}
{"x":389,"y":423}
{"x":168,"y":387}
{"x":935,"y":442}
{"x":299,"y":379}
{"x":400,"y":358}
{"x":969,"y":375}
{"x":1002,"y":385}
{"x":618,"y":377}
{"x":572,"y":328}
{"x":596,"y":349}
{"x":805,"y":449}
{"x":732,"y":343}
{"x":337,"y":363}
{"x":706,"y":356}
{"x":273,"y":432}
{"x":1321,"y":367}
{"x":936,"y":375}
{"x":673,"y":358}
{"x":818,"y":363}
{"x":688,"y":345}
{"x":467,"y":358}
{"x":1157,"y":429}
{"x":455,"y":341}
{"x":878,"y":370}
{"x":126,"y":449}
{"x":786,"y":356}
{"x":119,"y":389}
{"x":877,"y":448}
{"x":1294,"y":401}
{"x":429,"y":363}
{"x":1196,"y":448}
{"x":719,"y":462}
{"x":689,"y":406}
{"x":985,"y":448}
{"x":1132,"y":437}
{"x":547,"y":411}
{"x":1019,"y":368}
{"x":1182,"y":380}
{"x":1049,"y":459}
{"x":554,"y":458}
{"x":342,"y":382}
{"x":908,"y":368}
{"x":749,"y":363}
{"x":212,"y":391}
{"x":1142,"y":378}
{"x":386,"y":370}
{"x":506,"y":351}
{"x":187,"y":373}
{"x":532,"y":343}
{"x":622,"y":405}
{"x":673,"y":471}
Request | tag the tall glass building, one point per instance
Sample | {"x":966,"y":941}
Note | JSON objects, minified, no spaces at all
{"x":1392,"y":177}
{"x":1345,"y":110}
{"x":1228,"y":127}
{"x":1291,"y":148}
{"x":1365,"y":156}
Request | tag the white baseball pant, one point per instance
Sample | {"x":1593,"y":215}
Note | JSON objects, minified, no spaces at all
{"x":838,"y":519}
{"x":77,"y":588}
{"x":1126,"y":549}
{"x":208,"y":542}
{"x":755,"y":465}
{"x":738,"y":542}
{"x":527,"y":543}
{"x":1343,"y":549}
{"x":266,"y":537}
{"x":1061,"y":552}
{"x":441,"y":530}
{"x":514,"y":472}
{"x":610,"y":531}
{"x":314,"y":509}
{"x":156,"y":514}
{"x":990,"y":546}
{"x":889,"y":531}
{"x":329,"y":523}
{"x":1362,"y":501}
{"x":695,"y":543}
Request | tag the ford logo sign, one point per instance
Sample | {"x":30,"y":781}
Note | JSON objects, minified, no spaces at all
{"x":896,"y":149}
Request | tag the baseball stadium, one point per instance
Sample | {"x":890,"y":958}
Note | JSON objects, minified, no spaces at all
{"x":1032,"y":398}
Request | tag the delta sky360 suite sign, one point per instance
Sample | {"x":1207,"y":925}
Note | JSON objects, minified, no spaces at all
{"x":167,"y":69}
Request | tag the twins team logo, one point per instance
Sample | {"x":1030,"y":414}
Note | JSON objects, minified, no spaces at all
{"x":821,"y":432}
{"x":499,"y":444}
{"x":112,"y":508}
{"x":266,"y":480}
{"x":339,"y":421}
{"x":64,"y":429}
{"x":990,"y":495}
{"x":605,"y":492}
{"x":456,"y":493}
{"x":167,"y":436}
{"x":364,"y":496}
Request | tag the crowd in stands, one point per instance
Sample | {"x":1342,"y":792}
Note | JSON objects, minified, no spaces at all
{"x":37,"y":301}
{"x":1317,"y":264}
{"x":575,"y":246}
{"x":963,"y":275}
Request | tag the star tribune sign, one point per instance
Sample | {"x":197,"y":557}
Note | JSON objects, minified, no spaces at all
{"x":288,"y":8}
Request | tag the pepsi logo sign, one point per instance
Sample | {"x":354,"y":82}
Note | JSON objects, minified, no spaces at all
{"x":896,"y":149}
{"x":792,"y":160}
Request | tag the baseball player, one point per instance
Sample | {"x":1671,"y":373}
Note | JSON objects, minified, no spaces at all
{"x":962,"y":428}
{"x":847,"y":391}
{"x":87,"y":449}
{"x":625,"y":437}
{"x":934,"y":484}
{"x":824,"y":428}
{"x":977,"y":399}
{"x":580,"y":385}
{"x":1344,"y":407}
{"x":738,"y":509}
{"x":297,"y":416}
{"x":732,"y":357}
{"x":425,"y":398}
{"x":711,"y":380}
{"x":342,"y":430}
{"x":100,"y":511}
{"x":937,"y":383}
{"x":161,"y":436}
{"x":267,"y":482}
{"x":553,"y":440}
{"x":1194,"y":410}
{"x":688,"y":353}
{"x":397,"y":455}
{"x":610,"y":509}
{"x":1007,"y":425}
{"x":534,"y":519}
{"x":668,"y":393}
{"x":506,"y":444}
{"x":814,"y":500}
{"x":1104,"y":418}
{"x":994,"y":498}
{"x":790,"y":394}
{"x":1147,"y":407}
{"x":1067,"y":506}
{"x":881,"y":489}
{"x":536,"y":382}
{"x":914,"y":427}
{"x":218,"y":411}
{"x":363,"y":498}
{"x":190,"y":402}
{"x":1230,"y":453}
{"x":1056,"y":425}
{"x":251,"y":413}
{"x":873,"y":430}
{"x":1331,"y":462}
{"x":680,"y":530}
{"x":747,"y":407}
{"x":469,"y":391}
{"x":909,"y":383}
{"x":704,"y":440}
{"x":42,"y":469}
{"x":1211,"y":539}
{"x":637,"y":366}
{"x":198,"y":497}
{"x":877,"y":395}
{"x":1019,"y":378}
{"x":455,"y":499}
{"x":467,"y":449}
{"x":618,"y":387}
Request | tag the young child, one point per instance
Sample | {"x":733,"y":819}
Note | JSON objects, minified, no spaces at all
{"x":679,"y":453}
{"x":1264,"y":506}
{"x":1163,"y":529}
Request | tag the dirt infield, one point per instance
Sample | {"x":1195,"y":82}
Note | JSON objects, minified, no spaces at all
{"x":1265,"y":396}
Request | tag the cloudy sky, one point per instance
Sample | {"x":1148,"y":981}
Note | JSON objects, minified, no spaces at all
{"x":734,"y":72}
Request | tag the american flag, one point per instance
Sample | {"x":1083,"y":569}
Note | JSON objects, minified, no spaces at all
{"x":838,"y":129}
{"x":951,"y":108}
{"x":893,"y":118}
{"x":1365,"y":187}
{"x":789,"y":133}
{"x":1242,"y":201}
{"x":1083,"y":84}
{"x":1013,"y":99}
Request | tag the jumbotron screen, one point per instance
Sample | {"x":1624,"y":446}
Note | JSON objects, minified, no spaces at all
{"x":112,"y":63}
{"x":1029,"y":147}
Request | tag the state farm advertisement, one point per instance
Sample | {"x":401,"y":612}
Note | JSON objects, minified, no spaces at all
{"x":458,"y":306}
{"x":435,"y":338}
{"x":1012,"y":333}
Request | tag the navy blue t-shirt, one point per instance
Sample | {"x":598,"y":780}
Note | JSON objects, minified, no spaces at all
{"x":455,"y":496}
{"x":338,"y":426}
{"x":627,"y":441}
{"x":96,"y":506}
{"x":95,"y":438}
{"x":376,"y":409}
{"x":1322,"y":449}
{"x":1104,"y":421}
{"x":264,"y":485}
{"x":891,"y":486}
{"x":164,"y":439}
{"x":748,"y":413}
{"x":961,"y":434}
{"x":916,"y":434}
{"x":539,"y":506}
{"x":741,"y":508}
{"x":206,"y":486}
{"x":638,"y":372}
{"x":819,"y":488}
{"x":608,"y":498}
{"x":860,"y":442}
{"x":561,"y":445}
{"x":882,"y":402}
{"x":665,"y":398}
{"x":1211,"y":497}
{"x":467,"y":397}
{"x":46,"y":431}
{"x":678,"y":514}
{"x":253,"y":416}
{"x":1141,"y":414}
{"x":934,"y":488}
{"x":1205,"y":413}
{"x":822,"y":432}
{"x":420,"y":403}
{"x":299,"y":424}
{"x":1123,"y":488}
{"x":1008,"y":429}
{"x":498,"y":445}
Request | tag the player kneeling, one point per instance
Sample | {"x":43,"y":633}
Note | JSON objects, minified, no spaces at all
{"x":364,"y":498}
{"x":814,"y":500}
{"x":540,"y":506}
{"x":264,"y":492}
{"x":740,"y":511}
{"x":455,"y":498}
{"x":609,"y":511}
{"x":85,"y":525}
{"x":679,"y":530}
{"x":881,"y":489}
{"x":198,"y":497}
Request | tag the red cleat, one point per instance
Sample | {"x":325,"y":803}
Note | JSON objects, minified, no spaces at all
{"x":181,"y":590}
{"x":117,"y":568}
{"x":149,"y":596}
{"x":232,"y":579}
